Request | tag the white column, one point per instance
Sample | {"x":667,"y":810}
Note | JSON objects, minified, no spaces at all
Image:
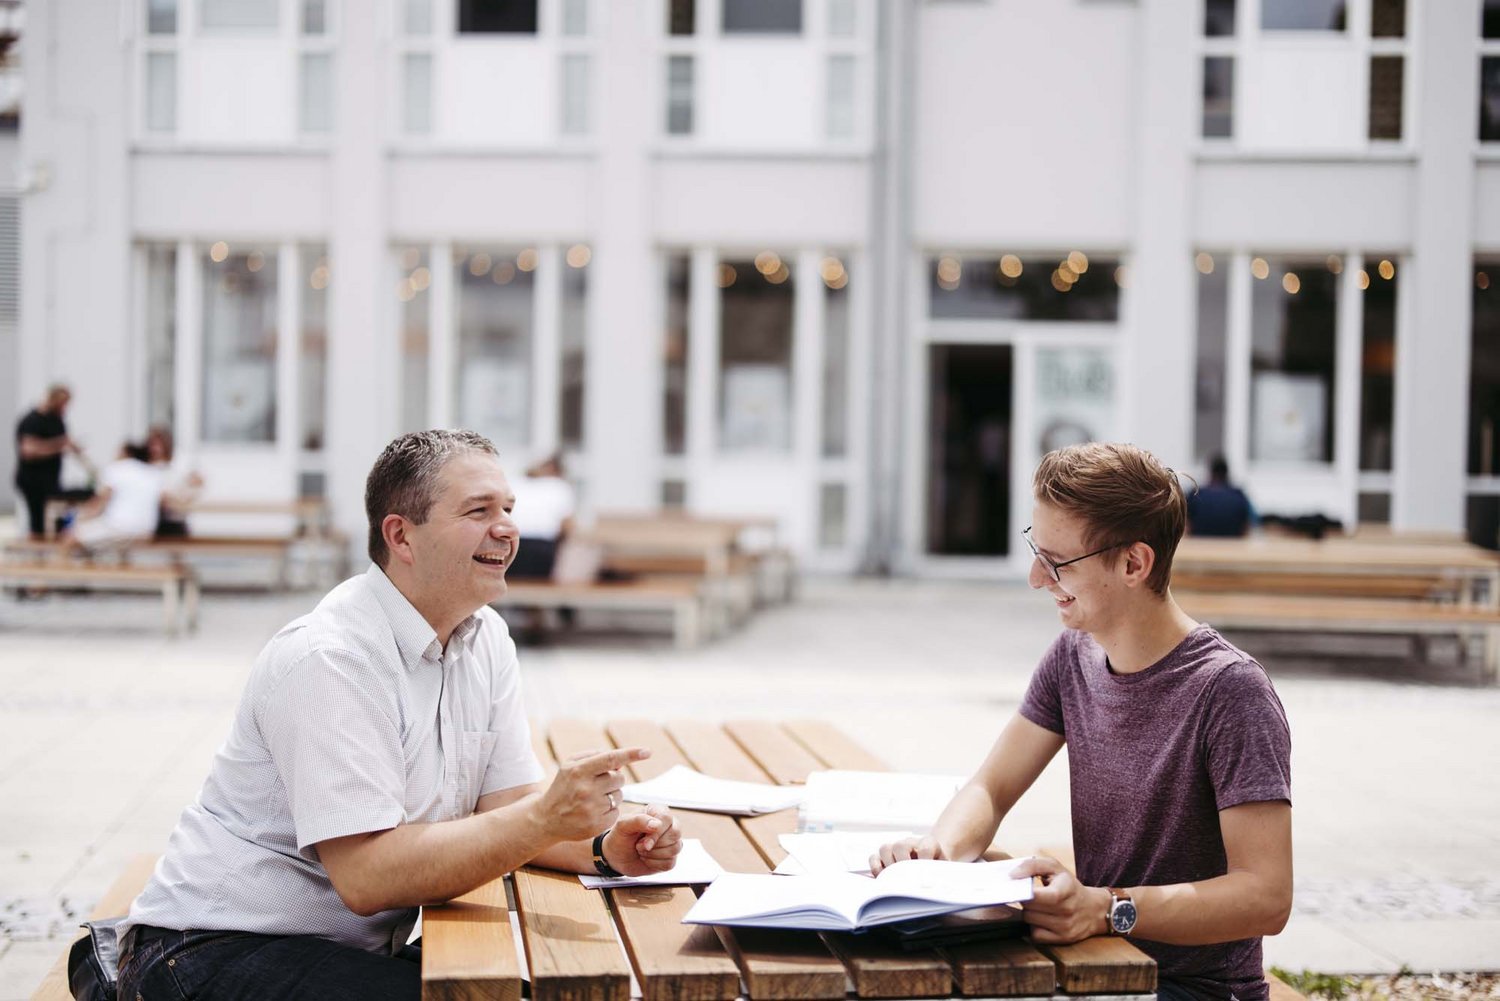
{"x":1348,"y":366}
{"x":807,"y":390}
{"x":363,"y":382}
{"x":1157,"y":383}
{"x":187,"y":372}
{"x":1237,"y":365}
{"x":1432,"y":353}
{"x":623,"y":364}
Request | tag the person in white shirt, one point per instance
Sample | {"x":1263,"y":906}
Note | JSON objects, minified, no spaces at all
{"x":380,"y":759}
{"x":126,"y":506}
{"x":545,"y":503}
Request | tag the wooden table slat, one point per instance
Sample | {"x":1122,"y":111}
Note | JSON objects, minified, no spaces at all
{"x":542,"y":748}
{"x":775,"y":964}
{"x":571,"y":737}
{"x":784,"y":759}
{"x":673,"y":961}
{"x":880,"y":970}
{"x":1002,"y":968}
{"x":833,"y":747}
{"x":645,"y":733}
{"x":1102,"y":965}
{"x":570,"y":941}
{"x":712,"y":752}
{"x":469,"y":948}
{"x":765,"y":832}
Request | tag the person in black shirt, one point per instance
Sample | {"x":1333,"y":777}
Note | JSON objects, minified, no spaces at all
{"x":1220,"y":508}
{"x":41,"y":440}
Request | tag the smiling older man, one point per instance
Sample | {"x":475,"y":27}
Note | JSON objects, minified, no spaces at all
{"x":379,"y":760}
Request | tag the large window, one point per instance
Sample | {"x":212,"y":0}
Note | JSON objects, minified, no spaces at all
{"x":1213,"y":341}
{"x":412,"y":284}
{"x":312,"y":370}
{"x":675,"y":356}
{"x":239,"y":344}
{"x":1302,"y":15}
{"x":497,"y":16}
{"x":761,"y":17}
{"x":573,"y":338}
{"x":161,"y":336}
{"x":1073,"y":286}
{"x":755,"y":353}
{"x":495,"y":308}
{"x":1484,"y":372}
{"x":1377,"y":393}
{"x":679,"y":95}
{"x":238,"y":15}
{"x":1293,"y":313}
{"x":835,"y":422}
{"x":1489,"y":73}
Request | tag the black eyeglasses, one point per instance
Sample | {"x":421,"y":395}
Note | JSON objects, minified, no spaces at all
{"x":1054,"y":570}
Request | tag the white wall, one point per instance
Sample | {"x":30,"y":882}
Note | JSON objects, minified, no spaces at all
{"x":1025,"y":117}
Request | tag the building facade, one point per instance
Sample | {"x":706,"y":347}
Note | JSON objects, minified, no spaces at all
{"x":852,"y":264}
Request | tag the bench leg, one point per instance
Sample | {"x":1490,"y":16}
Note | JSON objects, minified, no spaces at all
{"x":169,"y":597}
{"x":1489,"y":669}
{"x":190,"y":602}
{"x":685,"y":626}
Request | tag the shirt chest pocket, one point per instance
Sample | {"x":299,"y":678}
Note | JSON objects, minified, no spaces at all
{"x":473,"y":757}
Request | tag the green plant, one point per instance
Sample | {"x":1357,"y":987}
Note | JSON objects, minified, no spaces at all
{"x":1314,"y":984}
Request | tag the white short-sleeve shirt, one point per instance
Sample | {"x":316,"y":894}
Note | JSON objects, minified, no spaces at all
{"x":354,"y":720}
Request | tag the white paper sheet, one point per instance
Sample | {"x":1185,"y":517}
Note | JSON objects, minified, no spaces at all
{"x":687,"y":789}
{"x":864,"y":801}
{"x":836,"y":851}
{"x":694,"y":865}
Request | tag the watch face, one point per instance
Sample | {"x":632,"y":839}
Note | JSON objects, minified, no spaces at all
{"x":1122,"y":916}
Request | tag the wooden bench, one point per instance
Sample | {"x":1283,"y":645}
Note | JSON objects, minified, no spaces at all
{"x":178,"y":584}
{"x":680,"y":599}
{"x":587,"y":944}
{"x":330,"y":563}
{"x":1333,"y":614}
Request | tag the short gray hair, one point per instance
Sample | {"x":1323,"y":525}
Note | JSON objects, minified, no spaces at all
{"x":404,"y":480}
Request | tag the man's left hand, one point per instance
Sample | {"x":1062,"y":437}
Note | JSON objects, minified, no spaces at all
{"x":643,"y":843}
{"x":1061,"y":909}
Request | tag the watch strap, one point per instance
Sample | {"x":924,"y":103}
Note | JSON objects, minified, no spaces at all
{"x":1116,"y":895}
{"x":601,"y":864}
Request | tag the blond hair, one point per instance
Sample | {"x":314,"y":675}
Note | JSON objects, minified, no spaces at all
{"x":1122,"y":494}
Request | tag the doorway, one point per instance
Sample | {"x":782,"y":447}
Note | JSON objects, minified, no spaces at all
{"x":969,"y":428}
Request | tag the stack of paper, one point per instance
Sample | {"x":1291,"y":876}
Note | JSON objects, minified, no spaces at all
{"x":682,"y":787}
{"x":912,"y":888}
{"x":837,"y":851}
{"x":864,"y":801}
{"x":694,"y":865}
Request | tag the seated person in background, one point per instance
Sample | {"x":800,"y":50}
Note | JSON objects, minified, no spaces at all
{"x":379,"y":761}
{"x":126,"y":506}
{"x":1220,"y":508}
{"x":545,"y":503}
{"x":1178,"y":748}
{"x":180,"y":488}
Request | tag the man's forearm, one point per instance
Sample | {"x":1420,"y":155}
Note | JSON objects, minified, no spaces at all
{"x":418,"y":864}
{"x":1233,"y":906}
{"x":967,"y":824}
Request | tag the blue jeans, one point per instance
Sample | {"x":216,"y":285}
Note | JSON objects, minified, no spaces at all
{"x":168,"y":965}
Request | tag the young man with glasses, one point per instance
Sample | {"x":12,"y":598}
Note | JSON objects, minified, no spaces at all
{"x":1178,"y":748}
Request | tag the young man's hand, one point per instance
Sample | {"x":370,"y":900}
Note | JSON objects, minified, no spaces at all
{"x":1061,"y":909}
{"x":906,"y":848}
{"x":643,"y":843}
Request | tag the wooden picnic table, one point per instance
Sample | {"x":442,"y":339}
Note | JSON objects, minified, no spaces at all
{"x":590,"y":945}
{"x":1470,"y":571}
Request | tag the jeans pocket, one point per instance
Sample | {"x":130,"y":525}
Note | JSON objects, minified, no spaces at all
{"x":192,"y":960}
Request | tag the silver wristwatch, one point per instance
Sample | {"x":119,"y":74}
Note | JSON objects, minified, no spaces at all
{"x":1121,"y":912}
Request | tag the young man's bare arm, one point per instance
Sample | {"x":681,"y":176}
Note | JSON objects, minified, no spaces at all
{"x":968,"y":823}
{"x":416,"y":864}
{"x":1253,"y":898}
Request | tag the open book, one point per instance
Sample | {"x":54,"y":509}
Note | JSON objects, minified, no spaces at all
{"x":912,"y":888}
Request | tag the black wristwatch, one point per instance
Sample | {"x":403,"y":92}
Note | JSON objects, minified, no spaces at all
{"x":600,"y":862}
{"x":1122,"y":913}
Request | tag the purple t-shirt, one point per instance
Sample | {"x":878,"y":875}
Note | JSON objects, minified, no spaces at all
{"x":1152,"y":759}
